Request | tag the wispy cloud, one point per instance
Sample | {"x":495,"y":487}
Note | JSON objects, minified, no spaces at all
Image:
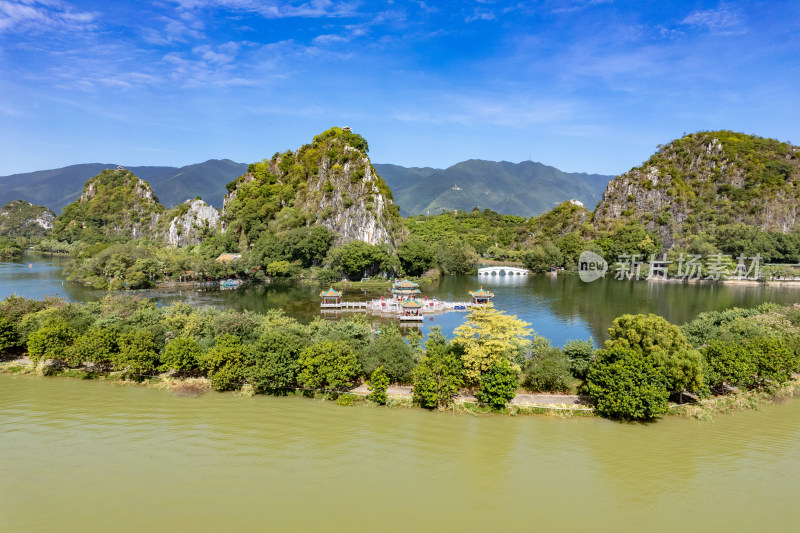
{"x":721,"y":21}
{"x":274,"y":9}
{"x":22,"y":16}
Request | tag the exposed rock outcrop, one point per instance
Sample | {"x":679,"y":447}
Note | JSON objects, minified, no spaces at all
{"x":23,"y":219}
{"x":706,"y":180}
{"x":193,"y":221}
{"x":330,"y":182}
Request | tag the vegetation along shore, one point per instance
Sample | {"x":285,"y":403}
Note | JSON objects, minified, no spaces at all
{"x":646,"y":367}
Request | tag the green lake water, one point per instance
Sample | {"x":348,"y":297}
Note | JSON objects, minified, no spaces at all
{"x":98,"y":456}
{"x":559,"y":308}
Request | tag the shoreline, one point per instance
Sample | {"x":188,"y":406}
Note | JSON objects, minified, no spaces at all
{"x":400,"y":396}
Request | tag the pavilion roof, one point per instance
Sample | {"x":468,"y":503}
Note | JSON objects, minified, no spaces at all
{"x":405,"y":284}
{"x":330,"y":292}
{"x":406,"y":291}
{"x":411,"y":303}
{"x":481,"y":293}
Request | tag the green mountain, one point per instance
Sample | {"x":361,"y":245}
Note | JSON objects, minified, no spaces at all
{"x":523,"y":189}
{"x":58,"y":187}
{"x":708,"y":186}
{"x":114,"y":205}
{"x":19,"y":218}
{"x":329,"y":182}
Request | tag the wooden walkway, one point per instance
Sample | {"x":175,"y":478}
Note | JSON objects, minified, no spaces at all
{"x":392,"y":307}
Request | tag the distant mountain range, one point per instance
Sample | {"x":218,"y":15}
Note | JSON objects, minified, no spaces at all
{"x":61,"y":186}
{"x":525,"y":189}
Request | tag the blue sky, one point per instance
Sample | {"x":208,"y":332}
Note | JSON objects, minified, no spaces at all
{"x":584,"y":85}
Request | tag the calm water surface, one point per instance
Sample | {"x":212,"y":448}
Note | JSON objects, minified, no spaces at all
{"x":560,"y":308}
{"x":95,"y":456}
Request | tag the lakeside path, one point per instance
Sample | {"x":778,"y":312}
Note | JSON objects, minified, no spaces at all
{"x":404,"y":391}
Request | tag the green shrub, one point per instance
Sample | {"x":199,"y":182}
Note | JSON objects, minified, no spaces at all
{"x":273,"y":362}
{"x":440,"y":373}
{"x":580,"y":354}
{"x":51,"y":341}
{"x":98,"y":345}
{"x":389,"y":351}
{"x":328,"y":365}
{"x":624,"y":383}
{"x":378,"y":383}
{"x":498,"y":385}
{"x":182,"y":354}
{"x":346,"y":399}
{"x":549,"y":372}
{"x":138,"y":354}
{"x":224,"y":363}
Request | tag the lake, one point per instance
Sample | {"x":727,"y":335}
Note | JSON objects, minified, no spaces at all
{"x":560,"y":308}
{"x":99,"y":456}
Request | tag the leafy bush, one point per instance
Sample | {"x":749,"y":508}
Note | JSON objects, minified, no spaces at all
{"x":51,"y":341}
{"x":549,"y":372}
{"x":439,"y":375}
{"x":224,"y":363}
{"x":627,"y":384}
{"x":328,"y":365}
{"x":498,"y":385}
{"x":580,"y":355}
{"x":182,"y":354}
{"x":273,"y":362}
{"x":98,"y":345}
{"x":138,"y":354}
{"x":389,"y":351}
{"x":378,"y":383}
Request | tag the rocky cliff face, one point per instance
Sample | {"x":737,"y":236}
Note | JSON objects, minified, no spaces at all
{"x":23,"y":219}
{"x":192,"y":221}
{"x":330,"y":182}
{"x":707,"y":180}
{"x":114,"y":204}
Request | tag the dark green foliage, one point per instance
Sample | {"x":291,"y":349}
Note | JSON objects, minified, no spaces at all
{"x":498,"y":385}
{"x":663,"y":344}
{"x":440,"y":373}
{"x":9,"y":249}
{"x":580,"y":354}
{"x":138,"y":354}
{"x":455,"y":257}
{"x":115,"y":205}
{"x":9,"y":336}
{"x":542,"y":258}
{"x":484,"y":231}
{"x":182,"y":354}
{"x":273,"y":362}
{"x":51,"y":341}
{"x":378,"y":383}
{"x":549,"y":371}
{"x":415,"y":257}
{"x":354,"y":331}
{"x":224,"y":363}
{"x":389,"y":351}
{"x":358,"y":259}
{"x":328,"y":365}
{"x":733,"y":325}
{"x":624,"y":383}
{"x":18,"y":218}
{"x":99,"y":345}
{"x":761,"y":363}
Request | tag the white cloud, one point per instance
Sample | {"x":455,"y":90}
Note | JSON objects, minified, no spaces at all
{"x":25,"y":16}
{"x":722,"y":21}
{"x":276,"y":9}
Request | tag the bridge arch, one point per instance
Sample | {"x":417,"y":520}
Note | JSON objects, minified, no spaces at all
{"x":502,"y":270}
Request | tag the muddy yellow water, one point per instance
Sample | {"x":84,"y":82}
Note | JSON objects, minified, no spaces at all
{"x":93,"y":456}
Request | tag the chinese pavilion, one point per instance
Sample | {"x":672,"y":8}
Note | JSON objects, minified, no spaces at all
{"x":411,"y":309}
{"x":481,"y":296}
{"x":331,"y":298}
{"x":403,"y":290}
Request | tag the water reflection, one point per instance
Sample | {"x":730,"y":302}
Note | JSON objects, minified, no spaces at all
{"x":560,"y":308}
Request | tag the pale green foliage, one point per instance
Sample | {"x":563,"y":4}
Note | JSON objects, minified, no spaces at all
{"x":182,"y":354}
{"x":489,"y":335}
{"x":224,"y":363}
{"x":51,"y":341}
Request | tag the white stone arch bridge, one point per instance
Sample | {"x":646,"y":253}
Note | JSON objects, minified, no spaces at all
{"x":502,"y":271}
